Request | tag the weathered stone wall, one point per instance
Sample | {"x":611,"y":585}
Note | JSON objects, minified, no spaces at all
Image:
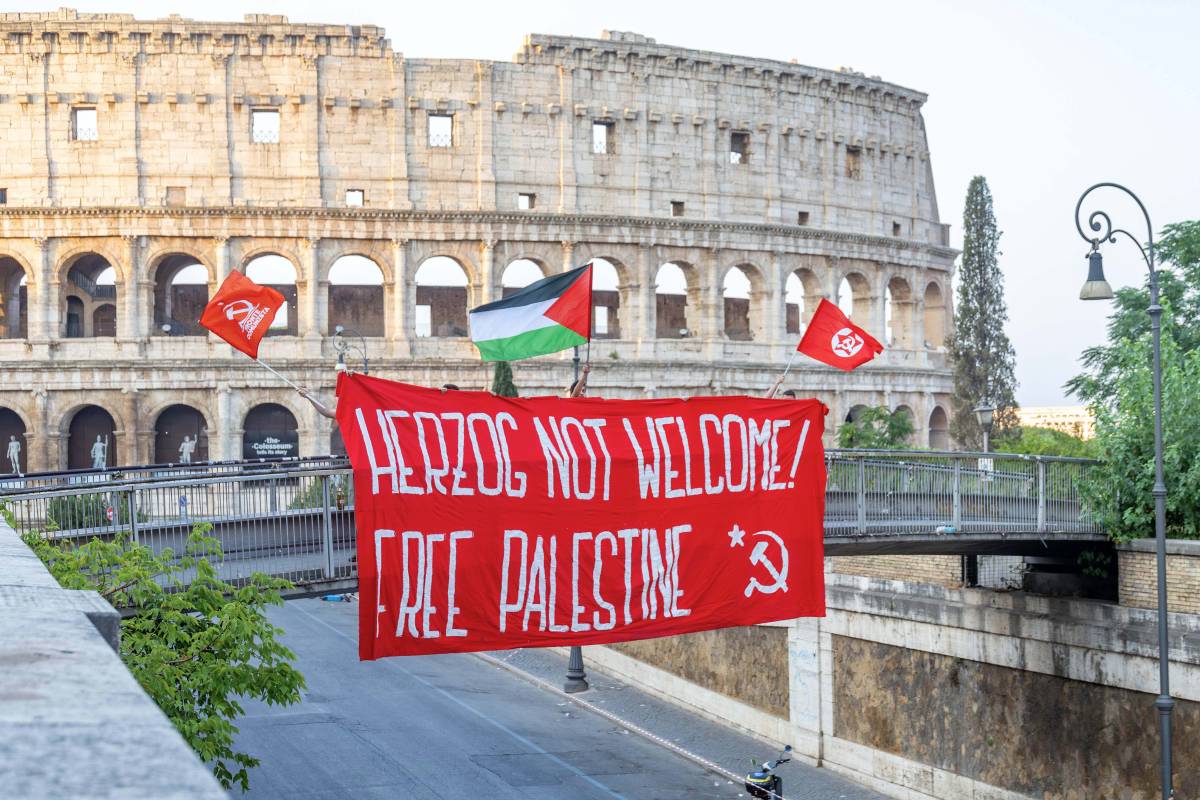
{"x":1007,"y":727}
{"x":748,"y":664}
{"x":1137,"y":573}
{"x":834,"y":184}
{"x":940,"y":570}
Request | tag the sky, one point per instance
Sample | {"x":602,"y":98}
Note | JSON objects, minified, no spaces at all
{"x":1042,"y":98}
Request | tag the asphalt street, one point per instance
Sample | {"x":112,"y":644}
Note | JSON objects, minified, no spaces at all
{"x":458,"y":726}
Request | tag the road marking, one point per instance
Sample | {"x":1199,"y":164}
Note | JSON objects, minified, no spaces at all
{"x":474,"y":711}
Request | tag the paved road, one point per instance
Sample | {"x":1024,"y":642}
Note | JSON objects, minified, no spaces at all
{"x":457,"y":726}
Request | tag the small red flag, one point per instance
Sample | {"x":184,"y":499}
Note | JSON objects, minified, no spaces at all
{"x":241,"y":312}
{"x":833,"y":339}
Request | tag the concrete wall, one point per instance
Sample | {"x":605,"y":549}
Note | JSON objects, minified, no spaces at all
{"x":927,"y":692}
{"x":73,"y":721}
{"x":175,"y":172}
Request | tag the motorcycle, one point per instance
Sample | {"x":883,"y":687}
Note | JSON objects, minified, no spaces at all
{"x":763,"y":783}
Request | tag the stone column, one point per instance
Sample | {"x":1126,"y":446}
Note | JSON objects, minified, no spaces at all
{"x":221,"y":267}
{"x":225,"y":424}
{"x":311,"y":323}
{"x":400,"y":327}
{"x":643,"y":302}
{"x":128,"y":436}
{"x":805,"y":685}
{"x":487,"y":272}
{"x":710,"y":321}
{"x":568,"y":249}
{"x":130,"y":314}
{"x":774,"y":320}
{"x":43,"y":306}
{"x":41,"y":452}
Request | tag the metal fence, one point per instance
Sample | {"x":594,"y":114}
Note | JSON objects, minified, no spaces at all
{"x":295,"y":519}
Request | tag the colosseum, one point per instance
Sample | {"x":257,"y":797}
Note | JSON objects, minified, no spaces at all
{"x":720,"y":197}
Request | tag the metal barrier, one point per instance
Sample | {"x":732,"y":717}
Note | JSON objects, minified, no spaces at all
{"x":295,"y":520}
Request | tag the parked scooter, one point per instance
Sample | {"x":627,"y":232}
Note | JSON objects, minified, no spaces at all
{"x":763,"y":783}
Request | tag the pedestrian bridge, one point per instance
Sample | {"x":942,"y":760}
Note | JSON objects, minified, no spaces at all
{"x":295,"y":519}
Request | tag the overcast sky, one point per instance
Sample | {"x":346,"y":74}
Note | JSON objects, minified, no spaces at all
{"x":1041,"y":98}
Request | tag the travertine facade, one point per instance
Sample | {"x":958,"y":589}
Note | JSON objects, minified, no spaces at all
{"x":143,"y":145}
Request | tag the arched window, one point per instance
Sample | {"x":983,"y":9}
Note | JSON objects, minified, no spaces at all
{"x":939,"y":429}
{"x":270,"y":432}
{"x":898,"y":313}
{"x":441,"y":307}
{"x":606,"y":300}
{"x":855,"y":412}
{"x":854,"y":298}
{"x":14,"y":300}
{"x":912,"y":422}
{"x":356,"y":296}
{"x":736,"y":293}
{"x":935,"y":317}
{"x":180,"y":436}
{"x":91,"y":283}
{"x":280,"y":274}
{"x":802,"y":294}
{"x":180,"y":294}
{"x":670,"y":302}
{"x":519,"y":274}
{"x":12,"y":439}
{"x":104,"y":320}
{"x":91,"y":439}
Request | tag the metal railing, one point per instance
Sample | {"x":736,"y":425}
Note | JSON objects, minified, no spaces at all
{"x":295,"y":519}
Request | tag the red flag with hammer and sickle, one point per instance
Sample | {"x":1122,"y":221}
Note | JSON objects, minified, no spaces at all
{"x":241,"y":312}
{"x":833,"y":339}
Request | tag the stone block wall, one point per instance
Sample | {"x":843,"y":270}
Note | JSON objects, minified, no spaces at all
{"x":939,"y":570}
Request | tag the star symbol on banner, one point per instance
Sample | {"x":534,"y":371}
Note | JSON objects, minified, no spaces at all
{"x":735,"y":536}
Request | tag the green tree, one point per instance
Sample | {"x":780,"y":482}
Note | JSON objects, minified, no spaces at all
{"x":1179,"y":290}
{"x":1047,"y":442}
{"x":878,"y":429}
{"x":982,"y":357}
{"x":195,"y":643}
{"x":502,"y":380}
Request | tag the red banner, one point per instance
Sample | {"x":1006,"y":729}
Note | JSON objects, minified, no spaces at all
{"x":241,"y":312}
{"x":489,"y":523}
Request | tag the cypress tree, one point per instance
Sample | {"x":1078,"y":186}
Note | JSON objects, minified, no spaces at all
{"x":502,"y":380}
{"x":980,"y":352}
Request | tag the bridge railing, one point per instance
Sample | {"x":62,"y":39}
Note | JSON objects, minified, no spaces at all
{"x":296,"y":519}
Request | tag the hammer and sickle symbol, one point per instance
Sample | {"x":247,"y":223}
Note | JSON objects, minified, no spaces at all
{"x":778,"y":573}
{"x":238,"y":308}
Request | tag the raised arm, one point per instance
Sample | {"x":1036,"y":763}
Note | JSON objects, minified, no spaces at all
{"x":580,"y":385}
{"x":321,"y":408}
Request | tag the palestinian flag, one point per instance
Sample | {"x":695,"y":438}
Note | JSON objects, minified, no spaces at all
{"x":547,"y":316}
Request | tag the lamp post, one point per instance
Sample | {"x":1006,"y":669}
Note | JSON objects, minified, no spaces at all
{"x":1097,"y":288}
{"x":576,"y":676}
{"x":984,"y":413}
{"x":340,"y":346}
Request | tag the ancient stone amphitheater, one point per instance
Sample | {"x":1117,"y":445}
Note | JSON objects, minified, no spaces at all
{"x":721,"y":196}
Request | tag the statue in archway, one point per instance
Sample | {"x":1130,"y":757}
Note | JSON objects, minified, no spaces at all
{"x":14,"y":454}
{"x":186,"y":448}
{"x":100,"y":453}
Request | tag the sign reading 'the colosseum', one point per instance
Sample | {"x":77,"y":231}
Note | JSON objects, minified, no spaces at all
{"x":487,"y":522}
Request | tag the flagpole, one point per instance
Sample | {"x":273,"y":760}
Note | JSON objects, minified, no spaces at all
{"x":779,"y":381}
{"x":278,"y":374}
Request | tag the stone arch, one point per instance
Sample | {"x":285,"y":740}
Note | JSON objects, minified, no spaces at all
{"x":939,"y":429}
{"x":91,"y":278}
{"x":356,"y":295}
{"x":898,"y":313}
{"x":855,"y":412}
{"x":92,"y":249}
{"x":372,"y":251}
{"x":519,"y":273}
{"x":607,"y":286}
{"x":104,"y":320}
{"x":13,"y":430}
{"x":270,"y":431}
{"x":912,"y":420}
{"x":441,"y":295}
{"x":86,"y":426}
{"x":935,"y":317}
{"x":674,"y":281}
{"x":741,"y":317}
{"x":14,"y":299}
{"x":854,"y":298}
{"x":801,"y":295}
{"x":171,"y":425}
{"x":270,"y":268}
{"x":181,"y":283}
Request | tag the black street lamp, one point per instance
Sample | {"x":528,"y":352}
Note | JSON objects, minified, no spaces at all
{"x":576,"y":676}
{"x":1097,"y":288}
{"x":341,"y":347}
{"x":984,"y":413}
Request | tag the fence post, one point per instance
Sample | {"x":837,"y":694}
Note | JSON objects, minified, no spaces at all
{"x":131,"y":504}
{"x":860,"y":499}
{"x":326,"y":527}
{"x":956,"y":518}
{"x":274,"y":496}
{"x":1041,"y":499}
